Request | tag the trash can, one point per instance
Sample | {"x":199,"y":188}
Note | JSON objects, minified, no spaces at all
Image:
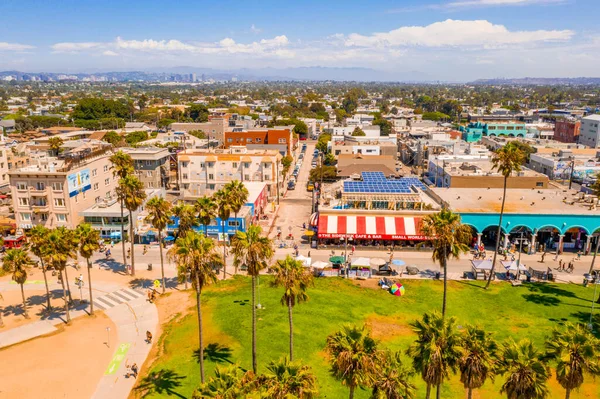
{"x":149,"y":267}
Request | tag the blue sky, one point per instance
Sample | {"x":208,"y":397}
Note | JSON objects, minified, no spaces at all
{"x":440,"y":39}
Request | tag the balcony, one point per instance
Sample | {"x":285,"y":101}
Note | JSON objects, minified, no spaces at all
{"x":40,"y":206}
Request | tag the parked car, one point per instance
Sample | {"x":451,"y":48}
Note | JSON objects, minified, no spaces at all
{"x":310,"y":186}
{"x":313,"y":163}
{"x":291,"y":185}
{"x":301,"y":156}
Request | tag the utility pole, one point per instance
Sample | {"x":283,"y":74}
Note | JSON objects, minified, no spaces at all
{"x":277,"y":161}
{"x":572,"y":171}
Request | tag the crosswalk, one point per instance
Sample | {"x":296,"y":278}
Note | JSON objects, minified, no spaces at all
{"x":116,"y":298}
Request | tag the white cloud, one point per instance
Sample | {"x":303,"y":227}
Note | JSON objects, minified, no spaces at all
{"x":153,"y":45}
{"x":110,"y":53}
{"x":70,"y":47}
{"x":254,"y":29}
{"x":4,"y":46}
{"x":479,"y":33}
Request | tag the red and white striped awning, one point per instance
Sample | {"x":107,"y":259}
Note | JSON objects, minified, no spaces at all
{"x":314,"y":219}
{"x":371,"y":227}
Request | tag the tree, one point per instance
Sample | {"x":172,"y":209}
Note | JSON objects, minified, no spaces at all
{"x":324,"y":139}
{"x":575,"y":351}
{"x":238,"y":194}
{"x":55,"y":144}
{"x":436,"y":351}
{"x":186,"y":215}
{"x":62,"y":246}
{"x":354,"y":357}
{"x":435,"y":116}
{"x":89,"y":242}
{"x":329,"y":160}
{"x":358,"y":132}
{"x":135,"y":137}
{"x":450,"y":238}
{"x":394,"y":111}
{"x":198,"y":134}
{"x":286,"y":161}
{"x":340,"y":114}
{"x":198,"y":253}
{"x":287,"y":379}
{"x":254,"y":250}
{"x":224,"y":201}
{"x":198,"y":112}
{"x":478,"y":360}
{"x":113,"y":138}
{"x":229,"y":382}
{"x":526,"y":372}
{"x":385,"y":126}
{"x":122,"y":166}
{"x":392,"y":379}
{"x":159,"y":215}
{"x":37,"y":237}
{"x":98,"y":108}
{"x":507,"y":160}
{"x":290,"y":275}
{"x":16,"y":262}
{"x":132,"y":191}
{"x":207,"y":211}
{"x":300,"y":127}
{"x":327,"y":172}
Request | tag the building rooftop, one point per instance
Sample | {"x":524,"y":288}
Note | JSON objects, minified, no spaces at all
{"x":594,"y":117}
{"x":254,"y":190}
{"x":529,"y":201}
{"x":480,"y":167}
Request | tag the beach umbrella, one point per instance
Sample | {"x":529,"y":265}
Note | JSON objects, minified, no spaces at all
{"x":320,"y":264}
{"x":397,"y":289}
{"x":337,"y":259}
{"x":309,"y":233}
{"x":375,"y":262}
{"x":398,"y":262}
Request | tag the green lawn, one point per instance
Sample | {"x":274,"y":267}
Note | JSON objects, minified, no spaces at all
{"x":527,"y":311}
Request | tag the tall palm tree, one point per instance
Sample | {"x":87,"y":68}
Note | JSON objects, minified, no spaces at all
{"x":122,"y":166}
{"x":354,"y":357}
{"x":159,"y":215}
{"x":238,"y":194}
{"x":450,"y":238}
{"x":255,"y":251}
{"x":230,"y":382}
{"x":527,"y":373}
{"x":132,"y":190}
{"x":199,"y":254}
{"x":478,"y":360}
{"x":437,"y":351}
{"x":89,"y":242}
{"x":16,"y":262}
{"x":38,"y":245}
{"x":207,"y":211}
{"x":392,"y":380}
{"x":575,"y":351}
{"x":294,"y":279}
{"x":62,"y":246}
{"x":507,"y":160}
{"x":224,"y":202}
{"x":1,"y":319}
{"x":55,"y":144}
{"x":286,"y":379}
{"x":187,"y":218}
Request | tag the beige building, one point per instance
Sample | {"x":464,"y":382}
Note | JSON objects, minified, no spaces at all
{"x":151,"y":165}
{"x":53,"y":192}
{"x":214,"y":129}
{"x":204,"y":172}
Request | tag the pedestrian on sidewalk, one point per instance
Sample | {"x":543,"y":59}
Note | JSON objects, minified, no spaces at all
{"x":134,"y":370}
{"x":579,"y":255}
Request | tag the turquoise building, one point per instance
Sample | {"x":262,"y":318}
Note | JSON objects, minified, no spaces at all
{"x":475,"y":130}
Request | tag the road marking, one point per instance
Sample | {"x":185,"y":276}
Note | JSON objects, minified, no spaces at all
{"x":114,"y":364}
{"x":120,"y":295}
{"x":106,"y":302}
{"x":127,"y":294}
{"x":132,"y":292}
{"x":113,"y":299}
{"x":99,"y":305}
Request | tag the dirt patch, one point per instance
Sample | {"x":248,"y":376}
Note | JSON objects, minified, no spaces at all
{"x":386,"y":328}
{"x":44,"y":367}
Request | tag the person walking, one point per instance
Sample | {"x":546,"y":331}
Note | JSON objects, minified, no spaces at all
{"x":579,"y":254}
{"x":134,"y":370}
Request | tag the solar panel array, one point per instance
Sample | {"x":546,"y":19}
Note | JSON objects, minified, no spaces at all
{"x":376,"y":182}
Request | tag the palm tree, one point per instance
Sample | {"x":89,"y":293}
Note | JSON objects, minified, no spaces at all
{"x":132,"y":191}
{"x":255,"y":251}
{"x":55,"y":144}
{"x":437,"y":349}
{"x":478,"y":360}
{"x":186,"y":215}
{"x":207,"y":211}
{"x":294,"y":279}
{"x":527,"y":373}
{"x":507,"y":160}
{"x":199,"y":254}
{"x":122,"y":166}
{"x":89,"y":242}
{"x":38,"y":245}
{"x":575,"y":351}
{"x":229,"y":382}
{"x":16,"y":261}
{"x":159,"y":215}
{"x":238,"y":194}
{"x":354,"y":356}
{"x":450,"y":239}
{"x":392,"y":380}
{"x":286,"y":379}
{"x":224,"y":202}
{"x":62,"y":245}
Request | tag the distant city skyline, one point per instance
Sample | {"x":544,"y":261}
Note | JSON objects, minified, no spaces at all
{"x":450,"y":40}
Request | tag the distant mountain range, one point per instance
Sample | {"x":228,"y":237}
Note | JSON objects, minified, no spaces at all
{"x":540,"y":81}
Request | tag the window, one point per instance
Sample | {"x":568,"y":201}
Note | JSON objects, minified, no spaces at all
{"x":211,"y":176}
{"x":106,"y":168}
{"x":94,"y":172}
{"x":96,"y":185}
{"x":539,"y":184}
{"x":184,"y":164}
{"x":246,"y":177}
{"x":267,"y":177}
{"x":233,"y":223}
{"x":184,"y":176}
{"x":21,"y":186}
{"x":211,"y":186}
{"x":97,"y":199}
{"x":40,"y":186}
{"x":26,"y":217}
{"x":246,"y":164}
{"x":56,"y":186}
{"x":282,"y":141}
{"x":235,"y":165}
{"x":59,"y":202}
{"x":148,"y":162}
{"x":491,"y":127}
{"x":258,"y":140}
{"x":24,"y":201}
{"x":230,"y":140}
{"x":43,"y":217}
{"x":61,"y":218}
{"x":149,"y":173}
{"x":106,"y":182}
{"x":248,"y":140}
{"x":202,"y":165}
{"x":150,"y":185}
{"x":210,"y":164}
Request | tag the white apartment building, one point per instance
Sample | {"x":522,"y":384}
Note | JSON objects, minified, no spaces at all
{"x":53,"y":192}
{"x":370,"y":130}
{"x":589,"y":133}
{"x":204,"y":172}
